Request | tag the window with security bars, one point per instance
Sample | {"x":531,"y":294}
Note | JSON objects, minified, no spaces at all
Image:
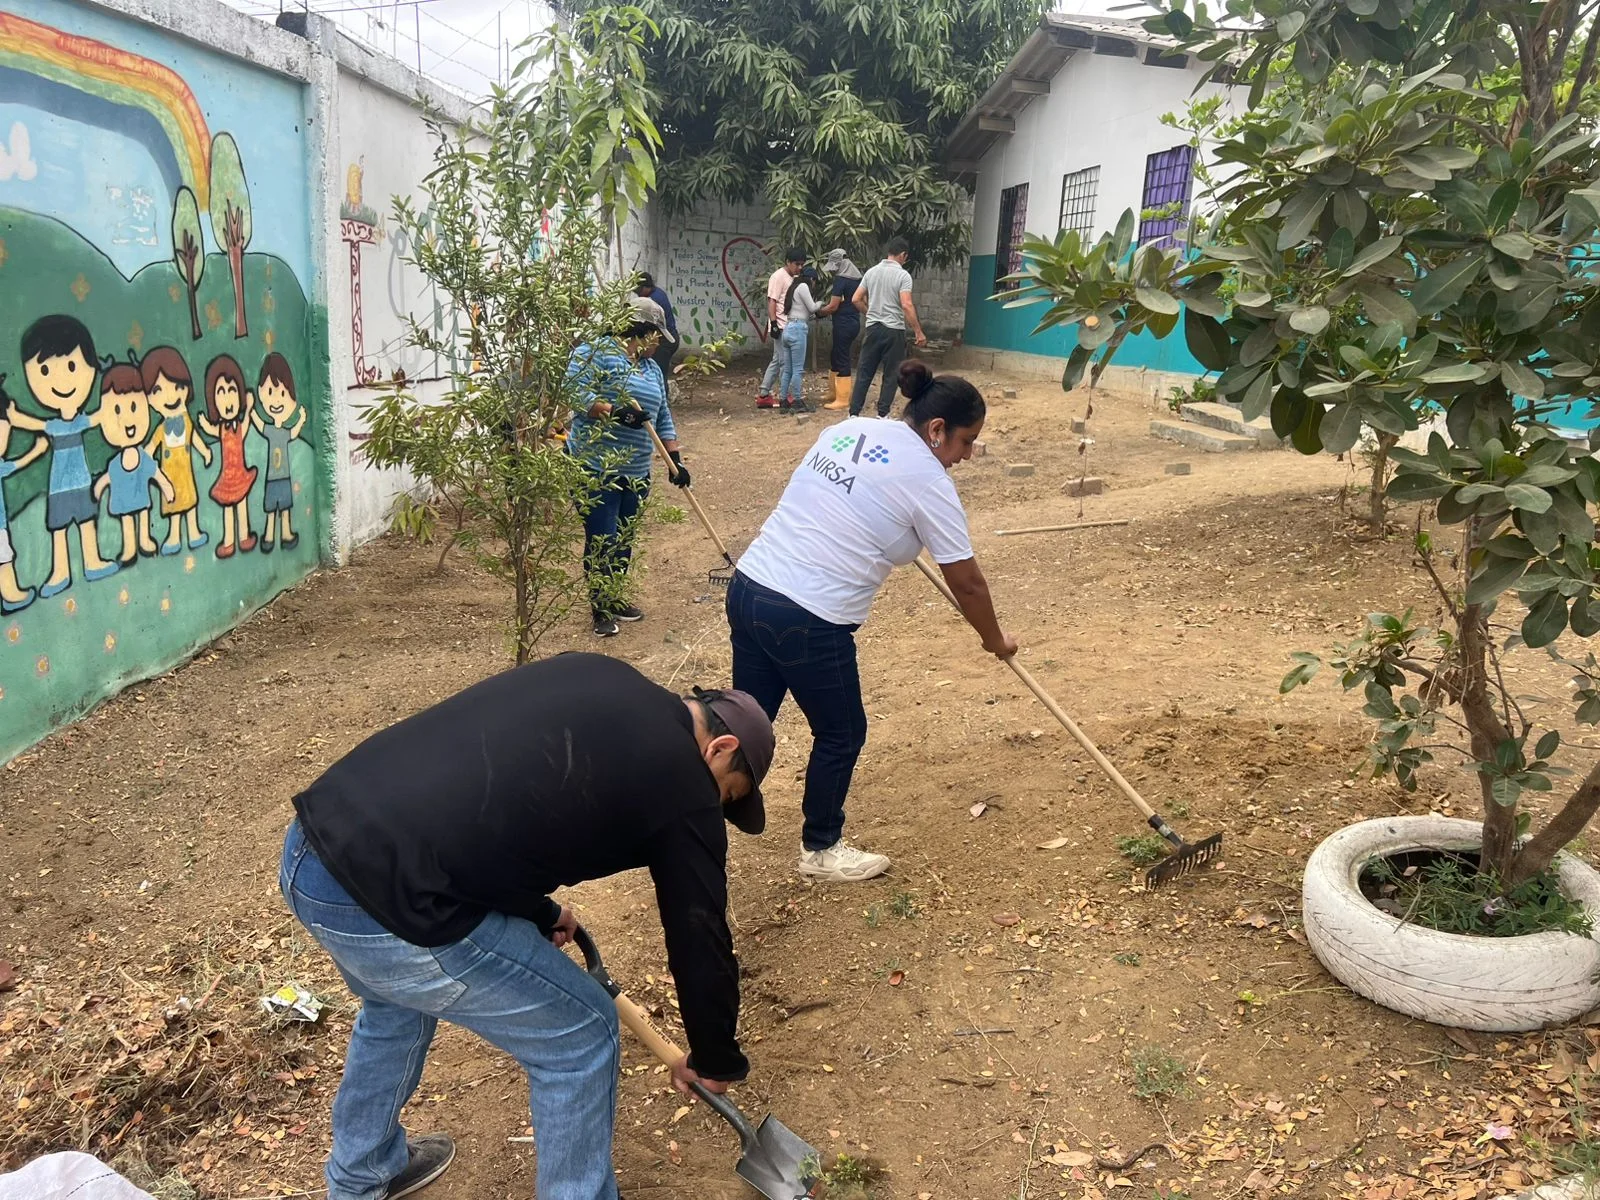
{"x":1008,"y":241}
{"x":1079,"y":191}
{"x":1168,"y":176}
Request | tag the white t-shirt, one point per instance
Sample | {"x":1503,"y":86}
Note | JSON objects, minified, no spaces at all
{"x":865,"y":499}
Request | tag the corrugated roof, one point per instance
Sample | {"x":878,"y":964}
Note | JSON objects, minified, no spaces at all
{"x":1028,"y":75}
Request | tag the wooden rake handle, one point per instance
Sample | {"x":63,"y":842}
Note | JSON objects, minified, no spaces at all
{"x":1056,"y":711}
{"x":672,"y":473}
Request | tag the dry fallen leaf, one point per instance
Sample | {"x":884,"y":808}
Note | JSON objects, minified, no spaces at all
{"x":1005,"y":918}
{"x":1070,"y":1158}
{"x":1561,"y":1066}
{"x":672,"y":1153}
{"x":680,"y":1114}
{"x":1053,"y":844}
{"x":978,"y":809}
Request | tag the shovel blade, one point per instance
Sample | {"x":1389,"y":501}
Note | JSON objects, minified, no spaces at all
{"x":777,"y":1162}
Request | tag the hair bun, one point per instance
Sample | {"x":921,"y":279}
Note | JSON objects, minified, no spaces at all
{"x":916,"y":377}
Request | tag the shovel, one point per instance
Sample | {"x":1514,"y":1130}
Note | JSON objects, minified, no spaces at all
{"x":1185,"y":856}
{"x":772,"y":1159}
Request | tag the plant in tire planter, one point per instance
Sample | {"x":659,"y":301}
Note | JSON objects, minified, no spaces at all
{"x":1412,"y":228}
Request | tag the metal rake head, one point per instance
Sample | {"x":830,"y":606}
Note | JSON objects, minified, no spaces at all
{"x":720,"y":577}
{"x":1183,"y":860}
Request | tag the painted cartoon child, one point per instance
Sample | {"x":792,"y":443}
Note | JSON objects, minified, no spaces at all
{"x":224,"y":420}
{"x":168,"y":385}
{"x":124,"y":420}
{"x":59,"y":363}
{"x":13,"y":597}
{"x":275,"y":395}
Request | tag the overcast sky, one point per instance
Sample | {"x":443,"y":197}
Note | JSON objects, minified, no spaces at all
{"x":464,"y":42}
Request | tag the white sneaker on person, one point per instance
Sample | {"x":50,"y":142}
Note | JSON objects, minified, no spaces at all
{"x":842,"y":863}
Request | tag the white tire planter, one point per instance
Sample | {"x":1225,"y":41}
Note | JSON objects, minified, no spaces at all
{"x":1492,"y":984}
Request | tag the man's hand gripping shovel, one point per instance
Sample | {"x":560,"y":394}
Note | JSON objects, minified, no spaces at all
{"x":772,"y":1159}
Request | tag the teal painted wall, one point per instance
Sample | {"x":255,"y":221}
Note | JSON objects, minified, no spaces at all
{"x":990,"y":324}
{"x":120,"y":139}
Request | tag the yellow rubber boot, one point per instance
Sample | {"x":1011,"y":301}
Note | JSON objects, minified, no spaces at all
{"x":842,"y":385}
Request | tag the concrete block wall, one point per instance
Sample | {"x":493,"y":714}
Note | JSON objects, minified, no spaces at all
{"x":714,"y":262}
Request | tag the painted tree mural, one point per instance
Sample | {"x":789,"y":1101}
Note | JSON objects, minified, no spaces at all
{"x":230,"y":217}
{"x":188,"y":250}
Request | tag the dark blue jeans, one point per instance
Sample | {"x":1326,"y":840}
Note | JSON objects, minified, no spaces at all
{"x":608,"y":533}
{"x":779,"y":648}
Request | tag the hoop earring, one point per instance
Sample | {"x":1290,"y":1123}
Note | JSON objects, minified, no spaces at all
{"x":937,"y":442}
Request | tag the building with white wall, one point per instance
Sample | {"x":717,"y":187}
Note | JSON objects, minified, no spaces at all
{"x":1071,"y":136}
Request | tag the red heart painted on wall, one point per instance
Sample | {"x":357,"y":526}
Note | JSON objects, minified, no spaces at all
{"x":746,"y":270}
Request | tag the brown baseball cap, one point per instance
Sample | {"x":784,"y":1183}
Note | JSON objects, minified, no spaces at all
{"x":745,"y":720}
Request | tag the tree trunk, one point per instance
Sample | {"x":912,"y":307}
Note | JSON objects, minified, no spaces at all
{"x":1567,"y":824}
{"x":236,"y":268}
{"x":1377,"y":512}
{"x":1486,"y":731}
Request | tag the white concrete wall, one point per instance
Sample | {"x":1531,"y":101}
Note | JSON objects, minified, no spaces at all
{"x":1101,"y":111}
{"x":381,"y":150}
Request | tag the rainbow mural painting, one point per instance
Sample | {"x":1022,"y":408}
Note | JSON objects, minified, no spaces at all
{"x":96,"y":84}
{"x":162,"y":399}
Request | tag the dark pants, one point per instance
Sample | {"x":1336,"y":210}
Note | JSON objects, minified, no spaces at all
{"x":608,"y":535}
{"x":882,"y":349}
{"x":844,"y":337}
{"x":779,"y":648}
{"x":663,"y":359}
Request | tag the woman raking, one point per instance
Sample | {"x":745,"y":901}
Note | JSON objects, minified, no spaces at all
{"x":867,"y":497}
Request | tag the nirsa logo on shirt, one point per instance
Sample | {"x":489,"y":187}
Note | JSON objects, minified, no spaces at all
{"x":842,"y":474}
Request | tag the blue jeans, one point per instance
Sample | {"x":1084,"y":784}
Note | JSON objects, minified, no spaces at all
{"x":506,"y":983}
{"x":769,"y":377}
{"x":793,"y":350}
{"x":608,"y":534}
{"x":779,"y":648}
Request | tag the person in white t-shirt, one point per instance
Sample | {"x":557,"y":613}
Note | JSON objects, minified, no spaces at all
{"x":867,"y":497}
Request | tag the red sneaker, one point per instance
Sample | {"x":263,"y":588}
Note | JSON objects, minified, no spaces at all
{"x":766,"y":402}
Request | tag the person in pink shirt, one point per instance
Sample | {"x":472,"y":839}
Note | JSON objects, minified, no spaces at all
{"x":794,"y":260}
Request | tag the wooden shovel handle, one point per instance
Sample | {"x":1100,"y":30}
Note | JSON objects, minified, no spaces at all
{"x":1056,"y":711}
{"x":639,"y":1025}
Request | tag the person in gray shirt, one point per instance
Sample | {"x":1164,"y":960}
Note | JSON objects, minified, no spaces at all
{"x":885,"y":297}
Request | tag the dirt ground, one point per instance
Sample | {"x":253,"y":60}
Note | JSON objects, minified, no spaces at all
{"x":980,"y":1023}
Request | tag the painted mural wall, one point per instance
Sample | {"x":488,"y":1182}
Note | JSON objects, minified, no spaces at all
{"x":163,"y":383}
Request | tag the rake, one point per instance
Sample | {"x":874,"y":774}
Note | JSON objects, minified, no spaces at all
{"x":718,"y":576}
{"x":1185,"y":856}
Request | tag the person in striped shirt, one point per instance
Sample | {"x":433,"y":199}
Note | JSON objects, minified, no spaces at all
{"x":619,"y":390}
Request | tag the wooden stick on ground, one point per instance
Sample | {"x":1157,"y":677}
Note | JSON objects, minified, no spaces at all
{"x":1059,"y":528}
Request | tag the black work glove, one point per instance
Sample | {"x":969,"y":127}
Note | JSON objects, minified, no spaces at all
{"x":682,"y":476}
{"x":628,"y":416}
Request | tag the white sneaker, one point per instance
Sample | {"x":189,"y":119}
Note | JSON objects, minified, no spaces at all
{"x":842,"y":863}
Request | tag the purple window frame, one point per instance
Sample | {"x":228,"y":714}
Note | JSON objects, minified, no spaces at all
{"x":1008,"y":239}
{"x":1168,"y":179}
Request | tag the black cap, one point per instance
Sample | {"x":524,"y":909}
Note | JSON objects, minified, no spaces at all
{"x":747,"y":722}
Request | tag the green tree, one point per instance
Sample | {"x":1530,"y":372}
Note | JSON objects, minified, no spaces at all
{"x":188,"y":250}
{"x":833,"y":112}
{"x":511,"y":230}
{"x":1410,"y":229}
{"x":230,"y":217}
